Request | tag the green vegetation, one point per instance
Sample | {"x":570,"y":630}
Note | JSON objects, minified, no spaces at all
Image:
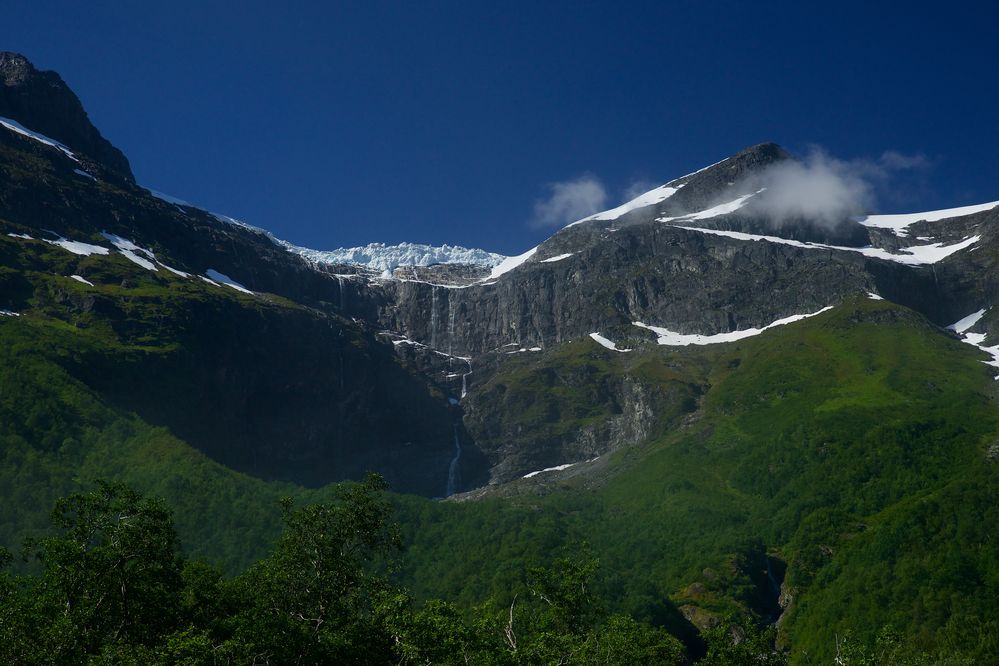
{"x":113,"y":589}
{"x":848,"y":448}
{"x":841,"y":459}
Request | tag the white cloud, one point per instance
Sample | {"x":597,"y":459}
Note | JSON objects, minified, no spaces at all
{"x":636,"y":188}
{"x":827,"y":190}
{"x":570,"y":200}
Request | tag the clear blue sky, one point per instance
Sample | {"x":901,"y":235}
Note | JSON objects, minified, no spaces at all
{"x":340,"y":123}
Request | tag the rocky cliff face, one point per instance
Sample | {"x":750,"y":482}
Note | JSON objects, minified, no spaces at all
{"x":42,"y":101}
{"x":701,"y":254}
{"x":604,"y":274}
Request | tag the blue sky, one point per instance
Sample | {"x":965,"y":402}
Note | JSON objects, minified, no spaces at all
{"x":337,"y":124}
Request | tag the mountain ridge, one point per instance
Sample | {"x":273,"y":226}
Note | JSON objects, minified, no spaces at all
{"x":42,"y":101}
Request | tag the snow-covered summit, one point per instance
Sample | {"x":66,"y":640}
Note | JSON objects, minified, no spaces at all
{"x":382,"y":257}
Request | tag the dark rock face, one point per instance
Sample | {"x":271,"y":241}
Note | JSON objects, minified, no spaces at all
{"x":287,"y":395}
{"x":41,"y":101}
{"x":367,"y":363}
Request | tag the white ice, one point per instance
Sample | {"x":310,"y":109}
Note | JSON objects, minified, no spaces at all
{"x":174,"y":270}
{"x":915,"y":255}
{"x":900,"y":223}
{"x":132,"y":252}
{"x":386,"y":258}
{"x":556,"y":468}
{"x":671,"y":338}
{"x":509,"y":263}
{"x":601,"y":340}
{"x":715,"y":211}
{"x":653,"y":196}
{"x":77,"y":247}
{"x":220,"y":278}
{"x":17,"y":127}
{"x":657,"y":195}
{"x":976,"y":339}
{"x":962,"y":325}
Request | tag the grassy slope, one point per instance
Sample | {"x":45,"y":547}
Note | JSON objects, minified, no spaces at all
{"x":58,"y":434}
{"x":850,"y":445}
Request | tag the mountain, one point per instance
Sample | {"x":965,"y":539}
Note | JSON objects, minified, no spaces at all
{"x":746,"y":401}
{"x":43,"y":101}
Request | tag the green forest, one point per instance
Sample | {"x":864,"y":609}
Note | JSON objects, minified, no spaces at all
{"x":113,"y":588}
{"x":822,"y":491}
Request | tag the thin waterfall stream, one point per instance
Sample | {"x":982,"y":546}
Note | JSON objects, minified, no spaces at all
{"x":453,"y":470}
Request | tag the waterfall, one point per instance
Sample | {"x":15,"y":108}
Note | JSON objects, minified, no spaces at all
{"x":433,"y":317}
{"x":453,"y":473}
{"x":464,"y":378}
{"x":450,"y":329}
{"x":343,"y":305}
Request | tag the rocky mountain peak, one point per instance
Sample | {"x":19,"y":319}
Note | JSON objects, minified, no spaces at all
{"x":14,"y":68}
{"x":41,"y":101}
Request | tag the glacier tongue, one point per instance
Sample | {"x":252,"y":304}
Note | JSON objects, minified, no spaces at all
{"x":382,"y":257}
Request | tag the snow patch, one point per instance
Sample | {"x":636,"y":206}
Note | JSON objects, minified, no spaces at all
{"x":77,"y":247}
{"x":976,"y":339}
{"x":131,"y":251}
{"x":169,"y":199}
{"x":874,"y":297}
{"x":85,"y":174}
{"x":8,"y":313}
{"x":219,"y":278}
{"x":509,"y":263}
{"x":80,"y":278}
{"x":715,"y":211}
{"x":915,"y":255}
{"x":174,"y":270}
{"x":557,"y":468}
{"x":604,"y":342}
{"x":24,"y":236}
{"x":523,"y":350}
{"x":650,"y":198}
{"x":559,"y":257}
{"x":673,"y":339}
{"x":654,"y":196}
{"x":962,"y":325}
{"x":899,"y":223}
{"x":18,"y":128}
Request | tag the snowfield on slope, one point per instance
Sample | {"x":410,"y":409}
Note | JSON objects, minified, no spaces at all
{"x":219,"y":279}
{"x":674,"y":339}
{"x":962,"y":326}
{"x":132,"y":252}
{"x":715,"y":211}
{"x":915,"y":255}
{"x":650,"y":198}
{"x":18,"y":128}
{"x":604,"y":342}
{"x":900,"y":223}
{"x":654,"y":196}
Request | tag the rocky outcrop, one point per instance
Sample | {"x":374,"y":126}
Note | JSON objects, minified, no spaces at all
{"x":425,"y":328}
{"x":41,"y":101}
